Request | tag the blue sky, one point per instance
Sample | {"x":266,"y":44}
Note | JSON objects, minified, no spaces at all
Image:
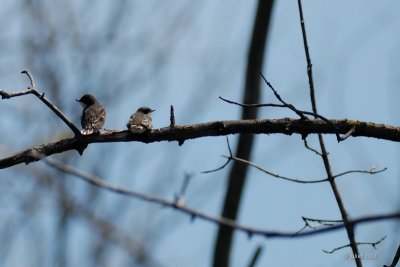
{"x":187,"y":54}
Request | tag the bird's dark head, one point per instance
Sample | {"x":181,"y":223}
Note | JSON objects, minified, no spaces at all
{"x":146,"y":110}
{"x":87,"y":100}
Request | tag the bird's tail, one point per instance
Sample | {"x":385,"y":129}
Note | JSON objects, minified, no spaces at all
{"x":87,"y":131}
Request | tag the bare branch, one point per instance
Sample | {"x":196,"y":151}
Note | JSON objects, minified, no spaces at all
{"x":48,"y":103}
{"x":310,"y":148}
{"x":216,"y":128}
{"x":219,"y":168}
{"x":30,"y":78}
{"x":324,"y":156}
{"x":256,"y":256}
{"x":395,"y":259}
{"x":229,"y":146}
{"x":5,"y":95}
{"x":252,"y":105}
{"x":296,"y":180}
{"x":300,"y":112}
{"x":371,"y":171}
{"x":349,"y":133}
{"x":226,"y":163}
{"x":180,"y":197}
{"x":172,"y":117}
{"x":321,"y":222}
{"x":290,"y":106}
{"x":373,"y":244}
{"x":98,"y":182}
{"x":277,"y":175}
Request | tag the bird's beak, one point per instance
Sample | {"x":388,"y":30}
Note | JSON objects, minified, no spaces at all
{"x":153,"y":110}
{"x":77,"y":100}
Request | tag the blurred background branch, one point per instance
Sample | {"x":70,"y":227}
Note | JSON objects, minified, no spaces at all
{"x":251,"y":95}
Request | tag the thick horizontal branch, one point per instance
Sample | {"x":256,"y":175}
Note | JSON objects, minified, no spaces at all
{"x":216,"y":128}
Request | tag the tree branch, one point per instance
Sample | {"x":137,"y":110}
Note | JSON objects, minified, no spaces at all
{"x":227,"y":161}
{"x":296,"y":180}
{"x":373,"y":244}
{"x":321,"y":222}
{"x":395,"y":259}
{"x":172,"y":117}
{"x":256,"y":256}
{"x":324,"y":152}
{"x":310,"y":148}
{"x":98,"y":182}
{"x":48,"y":103}
{"x":215,"y":128}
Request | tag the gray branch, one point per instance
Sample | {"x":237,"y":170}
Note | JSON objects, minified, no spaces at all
{"x":181,"y":133}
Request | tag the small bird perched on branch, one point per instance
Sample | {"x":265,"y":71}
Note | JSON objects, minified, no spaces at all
{"x":93,"y":114}
{"x":141,"y":120}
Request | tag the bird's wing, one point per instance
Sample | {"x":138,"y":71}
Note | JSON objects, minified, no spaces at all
{"x":147,"y":123}
{"x":131,"y":121}
{"x":94,"y":117}
{"x":139,"y":120}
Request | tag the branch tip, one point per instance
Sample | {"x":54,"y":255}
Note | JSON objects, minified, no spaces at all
{"x":30,"y":78}
{"x":172,"y":117}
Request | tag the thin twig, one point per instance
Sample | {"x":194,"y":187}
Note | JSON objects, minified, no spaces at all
{"x":251,"y":105}
{"x":325,"y":158}
{"x":300,"y":112}
{"x":321,"y":223}
{"x":373,"y":244}
{"x":290,"y":106}
{"x":226,"y":163}
{"x":296,"y":180}
{"x":371,"y":171}
{"x":219,"y":168}
{"x":185,"y":183}
{"x":395,"y":259}
{"x":349,"y":133}
{"x":310,"y":148}
{"x":180,"y":197}
{"x":30,"y":78}
{"x":48,"y":103}
{"x":256,"y":256}
{"x":98,"y":182}
{"x":172,"y":117}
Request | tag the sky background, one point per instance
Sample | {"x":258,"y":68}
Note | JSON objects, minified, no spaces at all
{"x":186,"y":54}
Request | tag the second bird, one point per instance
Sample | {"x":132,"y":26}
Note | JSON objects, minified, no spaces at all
{"x":93,"y":115}
{"x":141,"y":120}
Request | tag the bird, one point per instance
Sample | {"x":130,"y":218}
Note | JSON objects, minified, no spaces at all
{"x":141,"y":120}
{"x":93,"y":114}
